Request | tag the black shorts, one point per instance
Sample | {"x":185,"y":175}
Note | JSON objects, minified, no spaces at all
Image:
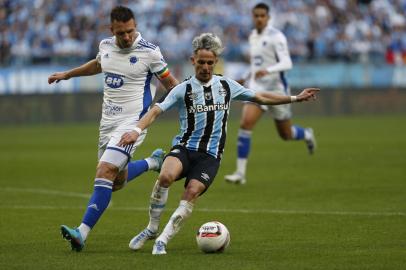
{"x":196,"y":165}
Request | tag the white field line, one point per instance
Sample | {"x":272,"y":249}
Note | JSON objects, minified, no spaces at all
{"x":212,"y":210}
{"x":47,"y":192}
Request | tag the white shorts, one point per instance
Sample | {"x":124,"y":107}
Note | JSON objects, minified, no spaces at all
{"x":110,"y":152}
{"x":279,"y":112}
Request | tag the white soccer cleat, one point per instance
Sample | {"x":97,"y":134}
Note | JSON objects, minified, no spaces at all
{"x":159,"y":248}
{"x":139,"y":240}
{"x":157,"y":157}
{"x":235,"y":178}
{"x":311,"y":142}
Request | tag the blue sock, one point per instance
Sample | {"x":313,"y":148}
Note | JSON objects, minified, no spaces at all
{"x":298,"y":133}
{"x":244,"y":143}
{"x":136,"y":168}
{"x":98,"y":202}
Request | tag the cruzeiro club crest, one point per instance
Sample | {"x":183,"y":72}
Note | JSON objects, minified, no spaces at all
{"x":133,"y":60}
{"x":208,"y":96}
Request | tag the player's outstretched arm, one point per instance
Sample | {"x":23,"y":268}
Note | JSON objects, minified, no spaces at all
{"x":132,"y":136}
{"x":268,"y":98}
{"x":90,"y":68}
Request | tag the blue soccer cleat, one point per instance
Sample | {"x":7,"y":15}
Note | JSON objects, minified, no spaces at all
{"x":159,"y":248}
{"x":74,"y":236}
{"x":158,"y":156}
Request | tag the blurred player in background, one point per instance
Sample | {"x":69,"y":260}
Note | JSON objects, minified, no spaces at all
{"x":128,"y":62}
{"x":269,"y":58}
{"x":203,"y":102}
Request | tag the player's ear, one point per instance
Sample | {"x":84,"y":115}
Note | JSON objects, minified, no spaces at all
{"x":192,"y":59}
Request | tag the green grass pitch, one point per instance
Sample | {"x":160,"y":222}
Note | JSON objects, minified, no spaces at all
{"x":343,"y":208}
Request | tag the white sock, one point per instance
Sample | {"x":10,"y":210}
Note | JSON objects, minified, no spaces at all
{"x":307,"y":134}
{"x":242,"y":166}
{"x":159,"y":196}
{"x":152,"y":163}
{"x":84,"y":230}
{"x":293,"y":131}
{"x":176,"y":221}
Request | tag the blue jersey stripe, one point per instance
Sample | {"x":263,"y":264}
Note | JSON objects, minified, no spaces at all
{"x":147,"y":44}
{"x":147,"y":100}
{"x":284,"y":82}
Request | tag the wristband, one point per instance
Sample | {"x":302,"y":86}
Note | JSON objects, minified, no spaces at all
{"x":293,"y":99}
{"x":138,"y":130}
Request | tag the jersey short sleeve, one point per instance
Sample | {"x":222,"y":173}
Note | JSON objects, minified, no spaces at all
{"x":174,"y":96}
{"x":239,"y":92}
{"x":158,"y":64}
{"x":98,"y":56}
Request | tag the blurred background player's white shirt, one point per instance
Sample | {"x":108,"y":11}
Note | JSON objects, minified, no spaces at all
{"x":269,"y":51}
{"x":128,"y":91}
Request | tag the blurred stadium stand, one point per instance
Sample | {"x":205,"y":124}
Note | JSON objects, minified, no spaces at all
{"x":335,"y":44}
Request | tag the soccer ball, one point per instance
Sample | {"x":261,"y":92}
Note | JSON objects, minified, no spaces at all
{"x":213,"y":237}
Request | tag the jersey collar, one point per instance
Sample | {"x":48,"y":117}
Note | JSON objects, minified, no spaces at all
{"x":195,"y":80}
{"x":135,"y":44}
{"x":268,"y":25}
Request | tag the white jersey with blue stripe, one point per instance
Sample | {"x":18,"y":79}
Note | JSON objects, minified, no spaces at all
{"x":128,"y":91}
{"x":269,"y":50}
{"x":203,"y":112}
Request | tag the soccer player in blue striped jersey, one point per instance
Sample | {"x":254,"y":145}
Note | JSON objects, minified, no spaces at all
{"x":128,"y":63}
{"x":203,"y":102}
{"x":269,"y":59}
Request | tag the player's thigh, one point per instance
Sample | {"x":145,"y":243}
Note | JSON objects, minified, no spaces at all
{"x":284,"y":111}
{"x":175,"y":164}
{"x":171,"y":170}
{"x":203,"y":169}
{"x":193,"y":190}
{"x":251,"y":113}
{"x":281,"y":112}
{"x":119,"y":156}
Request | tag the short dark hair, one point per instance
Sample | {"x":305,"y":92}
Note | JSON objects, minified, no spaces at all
{"x":262,"y":6}
{"x":121,"y":14}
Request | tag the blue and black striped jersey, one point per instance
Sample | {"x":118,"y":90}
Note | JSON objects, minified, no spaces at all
{"x":203,"y":112}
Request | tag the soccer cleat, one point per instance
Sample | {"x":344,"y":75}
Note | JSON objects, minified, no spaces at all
{"x":139,"y":240}
{"x":158,"y":155}
{"x":311,"y":142}
{"x":74,"y":236}
{"x":235,"y":178}
{"x":159,"y":248}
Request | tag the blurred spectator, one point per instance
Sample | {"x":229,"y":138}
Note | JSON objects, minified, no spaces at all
{"x":45,"y":31}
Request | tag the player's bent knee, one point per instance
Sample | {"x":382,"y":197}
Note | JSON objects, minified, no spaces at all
{"x":106,"y":170}
{"x":118,"y":184}
{"x":247,"y":125}
{"x":192,"y":192}
{"x":166,"y":179}
{"x":285,"y":136}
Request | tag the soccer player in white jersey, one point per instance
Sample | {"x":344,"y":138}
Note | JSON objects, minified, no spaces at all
{"x":128,"y":63}
{"x":203,"y":102}
{"x":269,"y":59}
